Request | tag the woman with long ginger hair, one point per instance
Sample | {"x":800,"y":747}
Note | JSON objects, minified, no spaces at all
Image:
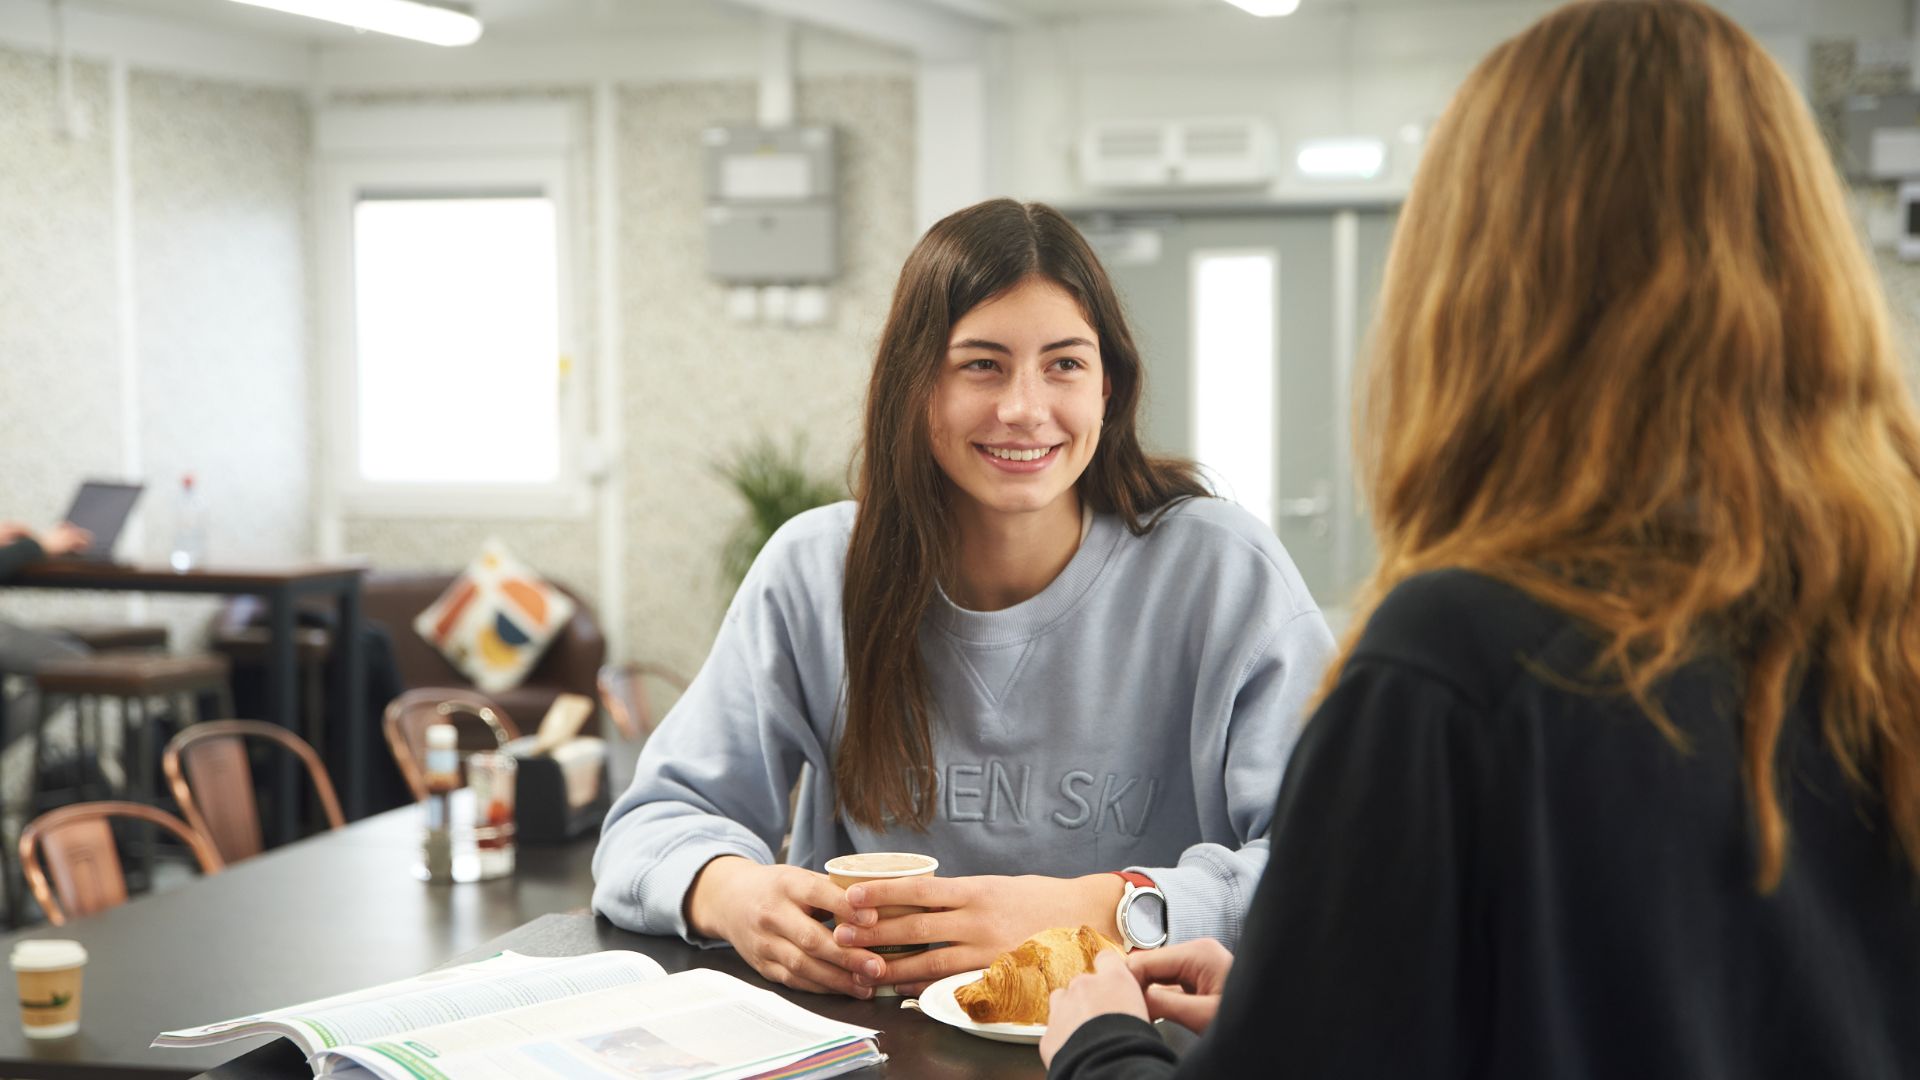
{"x":1026,"y":648}
{"x":1621,"y":777}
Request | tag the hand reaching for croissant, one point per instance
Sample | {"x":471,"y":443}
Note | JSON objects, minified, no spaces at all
{"x":1183,"y":982}
{"x":1110,"y":988}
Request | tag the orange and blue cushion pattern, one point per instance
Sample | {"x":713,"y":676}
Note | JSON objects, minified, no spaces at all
{"x":495,"y":620}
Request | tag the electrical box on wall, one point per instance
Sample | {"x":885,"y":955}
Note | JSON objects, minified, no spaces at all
{"x":772,"y":214}
{"x":1876,"y":135}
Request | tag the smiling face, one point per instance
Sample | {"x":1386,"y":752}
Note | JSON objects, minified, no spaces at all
{"x":1017,"y":410}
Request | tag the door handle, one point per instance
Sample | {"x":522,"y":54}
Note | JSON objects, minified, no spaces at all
{"x":1319,"y":504}
{"x":1314,"y":509}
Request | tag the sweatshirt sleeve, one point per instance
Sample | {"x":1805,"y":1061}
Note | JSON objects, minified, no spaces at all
{"x":1209,"y":891}
{"x":715,"y":778}
{"x":1357,"y":961}
{"x":17,"y":554}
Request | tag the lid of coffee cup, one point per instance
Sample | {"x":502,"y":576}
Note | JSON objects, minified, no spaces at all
{"x":48,"y":954}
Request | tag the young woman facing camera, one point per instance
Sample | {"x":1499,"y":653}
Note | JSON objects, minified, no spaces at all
{"x":1622,"y":777}
{"x":1026,"y":649}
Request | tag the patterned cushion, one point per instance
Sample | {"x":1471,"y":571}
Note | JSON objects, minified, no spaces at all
{"x":495,"y":620}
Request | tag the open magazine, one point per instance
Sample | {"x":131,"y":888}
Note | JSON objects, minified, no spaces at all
{"x":513,"y":1017}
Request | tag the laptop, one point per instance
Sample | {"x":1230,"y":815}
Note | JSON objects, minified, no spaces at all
{"x":101,"y":507}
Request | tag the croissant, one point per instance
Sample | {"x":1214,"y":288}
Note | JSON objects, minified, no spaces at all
{"x":1015,"y":989}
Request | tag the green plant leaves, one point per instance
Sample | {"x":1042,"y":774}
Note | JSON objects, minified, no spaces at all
{"x":774,"y":483}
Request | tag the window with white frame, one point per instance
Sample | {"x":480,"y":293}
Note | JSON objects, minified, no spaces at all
{"x":456,"y":302}
{"x":449,"y":327}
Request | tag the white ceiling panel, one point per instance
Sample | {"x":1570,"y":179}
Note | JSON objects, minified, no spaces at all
{"x":526,"y":19}
{"x":532,"y":20}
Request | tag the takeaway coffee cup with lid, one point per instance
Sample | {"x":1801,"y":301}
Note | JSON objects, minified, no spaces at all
{"x":48,"y":971}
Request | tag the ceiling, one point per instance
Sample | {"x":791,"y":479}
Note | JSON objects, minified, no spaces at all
{"x":550,"y":19}
{"x":559,"y":18}
{"x":503,"y":18}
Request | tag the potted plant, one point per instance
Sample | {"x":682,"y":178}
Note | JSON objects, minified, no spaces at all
{"x":775,"y":484}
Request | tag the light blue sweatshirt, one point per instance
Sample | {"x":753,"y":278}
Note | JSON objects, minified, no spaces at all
{"x":1136,"y":714}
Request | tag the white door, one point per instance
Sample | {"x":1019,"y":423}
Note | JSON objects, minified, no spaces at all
{"x":1252,"y":327}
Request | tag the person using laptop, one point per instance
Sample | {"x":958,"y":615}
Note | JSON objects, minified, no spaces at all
{"x":20,"y":546}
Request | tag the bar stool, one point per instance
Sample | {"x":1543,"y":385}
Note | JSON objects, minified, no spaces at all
{"x":116,"y":637}
{"x":99,"y":637}
{"x":135,"y":679}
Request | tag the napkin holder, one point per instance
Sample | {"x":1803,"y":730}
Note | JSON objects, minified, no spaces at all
{"x":560,"y":794}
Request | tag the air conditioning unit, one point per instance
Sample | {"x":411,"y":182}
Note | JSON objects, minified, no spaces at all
{"x":1219,"y":153}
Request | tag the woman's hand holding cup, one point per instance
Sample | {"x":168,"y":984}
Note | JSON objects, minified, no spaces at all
{"x":771,"y":916}
{"x":978,"y":917}
{"x":848,"y":871}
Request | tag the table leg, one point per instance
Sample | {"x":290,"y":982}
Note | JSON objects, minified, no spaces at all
{"x":353,"y":696}
{"x":283,"y":707}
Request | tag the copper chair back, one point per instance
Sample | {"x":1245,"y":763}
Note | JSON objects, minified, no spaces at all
{"x":623,"y":692}
{"x":482,"y":726}
{"x":82,"y":874}
{"x":206,"y":766}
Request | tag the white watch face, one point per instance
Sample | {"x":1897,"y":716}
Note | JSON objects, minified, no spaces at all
{"x":1146,"y":918}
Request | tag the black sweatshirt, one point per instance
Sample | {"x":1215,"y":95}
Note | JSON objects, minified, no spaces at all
{"x":17,"y":553}
{"x":1480,"y":870}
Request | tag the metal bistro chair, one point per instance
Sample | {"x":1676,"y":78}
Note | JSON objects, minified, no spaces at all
{"x":623,"y":691}
{"x":206,"y":766}
{"x":83,"y":873}
{"x":482,"y":726}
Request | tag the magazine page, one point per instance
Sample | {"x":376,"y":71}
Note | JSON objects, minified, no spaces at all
{"x":693,"y":1024}
{"x":507,"y":981}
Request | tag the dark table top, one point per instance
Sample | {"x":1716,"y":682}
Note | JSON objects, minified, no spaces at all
{"x":916,"y":1046}
{"x":337,"y":912}
{"x":82,"y":574}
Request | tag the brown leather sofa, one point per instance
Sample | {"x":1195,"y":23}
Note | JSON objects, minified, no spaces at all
{"x":569,"y":665}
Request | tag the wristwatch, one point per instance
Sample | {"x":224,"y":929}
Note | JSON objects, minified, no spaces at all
{"x":1142,"y":913}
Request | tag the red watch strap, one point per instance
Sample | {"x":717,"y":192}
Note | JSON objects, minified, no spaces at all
{"x":1136,"y":879}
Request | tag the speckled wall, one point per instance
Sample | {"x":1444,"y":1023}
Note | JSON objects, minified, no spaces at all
{"x":697,"y":386}
{"x":1834,"y":75}
{"x":219,"y":218}
{"x":59,"y":369}
{"x":219,"y":194}
{"x":220,"y":248}
{"x":564,"y":550}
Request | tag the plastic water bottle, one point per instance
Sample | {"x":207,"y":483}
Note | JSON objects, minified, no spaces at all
{"x":189,"y":529}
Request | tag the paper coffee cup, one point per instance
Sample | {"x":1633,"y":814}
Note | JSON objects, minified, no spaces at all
{"x":49,"y":971}
{"x":849,"y":870}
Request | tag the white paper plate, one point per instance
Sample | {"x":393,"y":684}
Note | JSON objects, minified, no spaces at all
{"x":937,"y":1001}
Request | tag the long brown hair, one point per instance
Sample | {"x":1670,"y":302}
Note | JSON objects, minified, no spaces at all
{"x":1633,"y":359}
{"x":903,"y":531}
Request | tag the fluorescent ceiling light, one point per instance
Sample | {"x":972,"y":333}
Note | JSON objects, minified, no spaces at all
{"x":432,"y":21}
{"x":1357,"y":158}
{"x":1267,"y":9}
